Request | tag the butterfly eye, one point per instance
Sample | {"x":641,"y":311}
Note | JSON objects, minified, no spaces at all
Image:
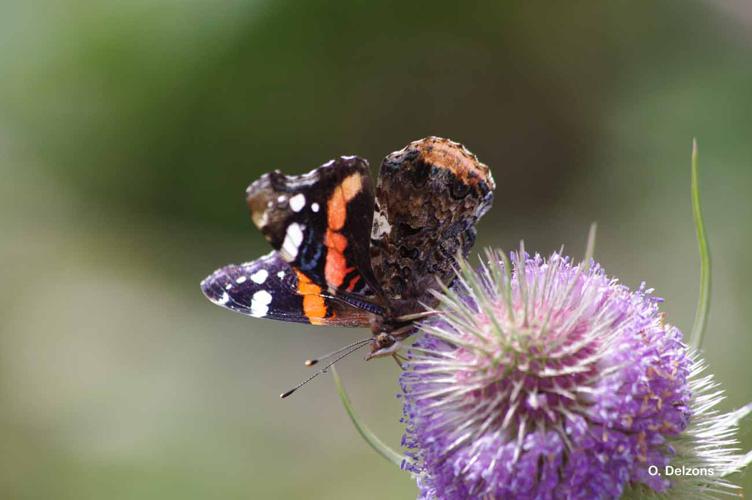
{"x":384,"y":345}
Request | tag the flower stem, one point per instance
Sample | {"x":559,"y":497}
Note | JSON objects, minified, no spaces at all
{"x":703,"y":301}
{"x":370,"y":438}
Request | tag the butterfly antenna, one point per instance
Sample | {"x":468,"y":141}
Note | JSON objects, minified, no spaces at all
{"x":311,"y":362}
{"x":323,"y":370}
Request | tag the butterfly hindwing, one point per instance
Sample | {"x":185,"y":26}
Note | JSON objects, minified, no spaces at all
{"x":270,"y":288}
{"x":320,"y":222}
{"x":429,"y":196}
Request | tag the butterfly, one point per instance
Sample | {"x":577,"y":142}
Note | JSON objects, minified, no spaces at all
{"x":346,"y":254}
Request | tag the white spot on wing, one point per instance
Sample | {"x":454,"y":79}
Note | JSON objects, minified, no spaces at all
{"x":380,"y":226}
{"x":293,"y":239}
{"x":297,"y":202}
{"x":281,"y":198}
{"x":260,"y":303}
{"x":259,"y":276}
{"x":281,"y":274}
{"x":315,"y":206}
{"x":240,"y":280}
{"x":224,"y":299}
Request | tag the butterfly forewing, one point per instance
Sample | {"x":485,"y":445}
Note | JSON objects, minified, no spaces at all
{"x":320,"y":222}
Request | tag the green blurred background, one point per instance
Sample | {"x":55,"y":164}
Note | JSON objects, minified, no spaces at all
{"x":129,"y":131}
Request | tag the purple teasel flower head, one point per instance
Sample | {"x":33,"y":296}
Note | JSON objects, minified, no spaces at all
{"x":548,"y":379}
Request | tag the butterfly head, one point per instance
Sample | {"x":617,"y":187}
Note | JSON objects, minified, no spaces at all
{"x":383,"y":344}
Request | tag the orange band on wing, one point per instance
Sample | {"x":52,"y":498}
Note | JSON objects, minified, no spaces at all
{"x":351,"y":186}
{"x":336,"y":207}
{"x":314,"y":306}
{"x":336,"y":268}
{"x":315,"y":309}
{"x":353,"y":281}
{"x":335,"y":241}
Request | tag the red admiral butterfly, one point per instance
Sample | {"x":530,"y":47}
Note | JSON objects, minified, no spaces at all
{"x":346,"y":257}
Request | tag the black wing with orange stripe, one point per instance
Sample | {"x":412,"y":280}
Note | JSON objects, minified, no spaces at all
{"x":320,"y":223}
{"x":270,"y":288}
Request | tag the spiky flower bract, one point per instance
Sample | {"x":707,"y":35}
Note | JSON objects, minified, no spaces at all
{"x":546,"y":379}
